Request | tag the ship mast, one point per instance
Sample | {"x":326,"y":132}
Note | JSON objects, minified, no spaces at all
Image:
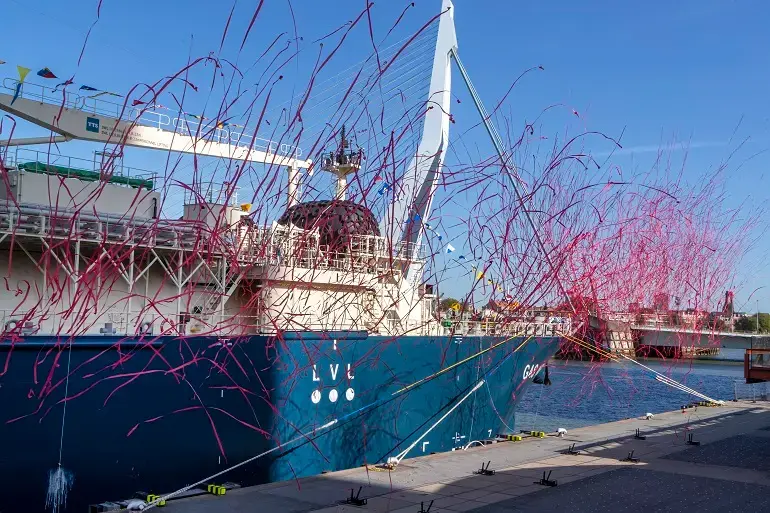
{"x":342,"y":163}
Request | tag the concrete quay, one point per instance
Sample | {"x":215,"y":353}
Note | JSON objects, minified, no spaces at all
{"x":727,"y":472}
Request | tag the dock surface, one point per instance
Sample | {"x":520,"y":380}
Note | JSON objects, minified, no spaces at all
{"x":727,"y":471}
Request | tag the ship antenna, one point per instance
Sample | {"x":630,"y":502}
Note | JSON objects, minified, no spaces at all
{"x":341,"y":164}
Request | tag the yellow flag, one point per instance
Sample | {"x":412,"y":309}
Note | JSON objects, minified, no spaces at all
{"x":479,"y":275}
{"x":22,"y":73}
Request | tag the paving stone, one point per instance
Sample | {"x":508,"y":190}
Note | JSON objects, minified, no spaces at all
{"x":743,"y":451}
{"x":636,"y":490}
{"x":727,"y":473}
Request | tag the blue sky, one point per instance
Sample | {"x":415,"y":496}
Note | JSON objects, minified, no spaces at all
{"x":658,"y":72}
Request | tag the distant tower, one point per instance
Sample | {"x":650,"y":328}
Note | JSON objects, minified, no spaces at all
{"x":728,"y":308}
{"x":660,"y":302}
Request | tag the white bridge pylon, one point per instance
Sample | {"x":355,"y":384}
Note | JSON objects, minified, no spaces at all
{"x":74,"y":121}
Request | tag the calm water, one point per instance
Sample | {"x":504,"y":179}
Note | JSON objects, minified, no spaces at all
{"x":583,"y":394}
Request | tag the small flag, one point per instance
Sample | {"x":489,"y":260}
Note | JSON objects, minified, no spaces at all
{"x":87,"y":88}
{"x":449,"y":248}
{"x":440,"y":237}
{"x":46,"y":73}
{"x":2,"y":61}
{"x":428,"y":226}
{"x":65,"y":83}
{"x":106,"y":93}
{"x":222,"y":124}
{"x":23,"y":73}
{"x":461,"y":257}
{"x":199,"y":118}
{"x":22,"y":76}
{"x":137,"y":102}
{"x":479,"y":275}
{"x":385,"y":187}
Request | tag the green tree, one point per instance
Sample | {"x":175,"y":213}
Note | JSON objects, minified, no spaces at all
{"x":749,"y":323}
{"x":448,"y":303}
{"x":746,"y":324}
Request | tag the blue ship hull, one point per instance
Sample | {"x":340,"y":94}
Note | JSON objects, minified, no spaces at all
{"x":156,"y":417}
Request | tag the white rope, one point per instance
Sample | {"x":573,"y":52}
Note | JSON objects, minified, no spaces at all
{"x":214,"y":476}
{"x":672,"y":383}
{"x":397,"y":459}
{"x":687,"y":390}
{"x":310,"y":435}
{"x":682,"y":387}
{"x":471,"y":443}
{"x":66,"y":393}
{"x":60,"y":480}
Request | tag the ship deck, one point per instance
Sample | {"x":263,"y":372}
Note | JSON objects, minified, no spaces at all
{"x":726,"y":472}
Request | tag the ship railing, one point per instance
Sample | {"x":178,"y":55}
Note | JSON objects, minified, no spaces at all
{"x":223,"y":323}
{"x":321,"y":259}
{"x":524,"y":329}
{"x":152,"y":115}
{"x":215,"y":193}
{"x":94,"y":102}
{"x":48,"y":321}
{"x":43,"y":94}
{"x":122,"y":323}
{"x":299,"y":248}
{"x":676,"y":319}
{"x":63,"y":223}
{"x":106,"y":164}
{"x":223,"y":132}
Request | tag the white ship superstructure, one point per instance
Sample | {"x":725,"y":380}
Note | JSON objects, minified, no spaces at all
{"x":87,"y":252}
{"x":126,"y":271}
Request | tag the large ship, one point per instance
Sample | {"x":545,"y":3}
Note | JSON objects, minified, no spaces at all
{"x":145,"y":353}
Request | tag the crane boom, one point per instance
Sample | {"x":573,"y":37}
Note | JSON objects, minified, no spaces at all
{"x":72,"y":120}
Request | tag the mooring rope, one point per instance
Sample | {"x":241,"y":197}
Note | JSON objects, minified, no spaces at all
{"x":397,"y":459}
{"x":60,"y":479}
{"x":315,"y":433}
{"x":658,"y":376}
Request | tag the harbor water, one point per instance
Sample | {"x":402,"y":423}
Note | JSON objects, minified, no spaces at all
{"x":585,"y":393}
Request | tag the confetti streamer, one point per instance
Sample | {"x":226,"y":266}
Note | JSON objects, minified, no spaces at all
{"x":173,"y":288}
